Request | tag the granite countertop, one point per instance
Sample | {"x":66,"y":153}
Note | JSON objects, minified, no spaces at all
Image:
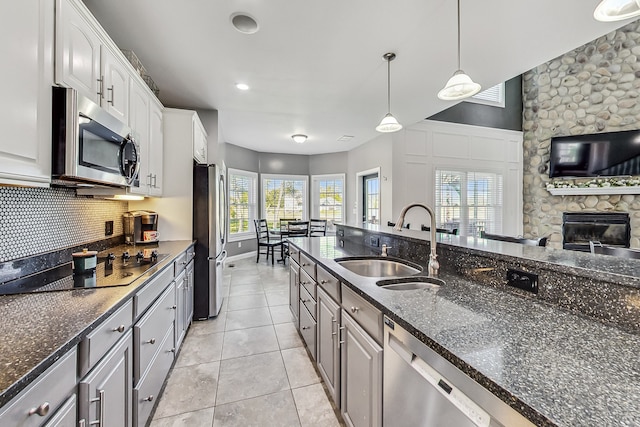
{"x":552,"y":366}
{"x":39,"y":328}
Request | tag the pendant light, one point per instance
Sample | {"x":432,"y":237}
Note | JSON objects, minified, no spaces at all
{"x":616,"y":10}
{"x":460,"y":85}
{"x":388,"y":122}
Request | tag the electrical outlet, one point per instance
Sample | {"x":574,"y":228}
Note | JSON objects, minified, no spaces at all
{"x":522,"y":280}
{"x":374,"y":241}
{"x":108,"y":228}
{"x":239,"y":244}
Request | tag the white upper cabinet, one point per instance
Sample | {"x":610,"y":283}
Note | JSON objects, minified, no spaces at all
{"x":199,"y":141}
{"x":115,"y":81}
{"x":156,"y":148}
{"x":139,"y":122}
{"x":26,"y":48}
{"x":77,"y":51}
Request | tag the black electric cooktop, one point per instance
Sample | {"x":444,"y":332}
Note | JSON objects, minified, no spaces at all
{"x":113,"y":269}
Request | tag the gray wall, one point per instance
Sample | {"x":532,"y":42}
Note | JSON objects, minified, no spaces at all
{"x":470,"y":113}
{"x":288,"y":164}
{"x":331,"y":163}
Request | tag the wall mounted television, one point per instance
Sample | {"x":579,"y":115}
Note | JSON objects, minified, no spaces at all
{"x":601,"y":154}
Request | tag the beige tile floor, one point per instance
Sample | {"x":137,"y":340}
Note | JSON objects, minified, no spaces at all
{"x":248,"y":366}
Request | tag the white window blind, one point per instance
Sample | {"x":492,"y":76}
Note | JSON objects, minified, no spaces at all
{"x":242,"y":203}
{"x":328,"y":197}
{"x":284,"y":196}
{"x":492,"y":96}
{"x":469,"y":201}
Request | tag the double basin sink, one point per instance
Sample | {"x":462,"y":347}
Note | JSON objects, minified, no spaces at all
{"x":404,"y":273}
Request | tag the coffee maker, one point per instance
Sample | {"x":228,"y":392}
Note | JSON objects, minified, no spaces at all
{"x":140,"y":227}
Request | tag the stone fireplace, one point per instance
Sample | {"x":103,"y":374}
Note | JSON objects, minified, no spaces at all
{"x":608,"y":228}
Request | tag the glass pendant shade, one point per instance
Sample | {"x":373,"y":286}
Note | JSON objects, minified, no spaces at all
{"x":459,"y":86}
{"x":388,"y":124}
{"x":616,"y":10}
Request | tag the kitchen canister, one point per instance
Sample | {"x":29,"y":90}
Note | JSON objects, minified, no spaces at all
{"x":84,"y":262}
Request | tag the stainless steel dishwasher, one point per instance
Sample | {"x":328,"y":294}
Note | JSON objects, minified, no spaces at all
{"x":421,"y":388}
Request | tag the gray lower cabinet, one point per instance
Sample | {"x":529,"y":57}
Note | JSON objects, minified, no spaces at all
{"x":328,"y":347}
{"x":189,"y":294}
{"x":294,"y":291}
{"x":181,"y":326}
{"x":361,"y":378}
{"x":44,"y":399}
{"x":65,"y":416}
{"x":104,"y":395}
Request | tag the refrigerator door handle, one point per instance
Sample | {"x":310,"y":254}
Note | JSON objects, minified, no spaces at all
{"x":223,"y":256}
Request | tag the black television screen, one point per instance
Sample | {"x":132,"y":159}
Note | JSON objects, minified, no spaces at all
{"x":602,"y":154}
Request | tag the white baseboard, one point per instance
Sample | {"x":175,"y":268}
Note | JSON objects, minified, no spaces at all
{"x":251,"y":254}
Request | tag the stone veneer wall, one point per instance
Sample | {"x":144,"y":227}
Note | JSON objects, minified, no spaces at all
{"x":594,"y":88}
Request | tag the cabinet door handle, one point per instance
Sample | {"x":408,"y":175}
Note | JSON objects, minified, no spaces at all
{"x":151,"y":341}
{"x":340,"y":341}
{"x":100,"y":400}
{"x":355,"y":309}
{"x":324,"y":282}
{"x":304,"y":328}
{"x":304,"y":300}
{"x":41,"y":410}
{"x":82,"y":423}
{"x":119,"y":329}
{"x":155,"y":181}
{"x":101,"y":86}
{"x":173,"y":307}
{"x":149,"y":398}
{"x":110,"y":101}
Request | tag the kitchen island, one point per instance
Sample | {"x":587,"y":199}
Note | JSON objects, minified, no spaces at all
{"x":555,"y":367}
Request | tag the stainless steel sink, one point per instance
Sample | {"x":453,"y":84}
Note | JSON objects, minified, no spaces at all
{"x":379,"y":266}
{"x":411,"y":283}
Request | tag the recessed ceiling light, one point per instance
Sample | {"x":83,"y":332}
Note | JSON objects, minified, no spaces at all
{"x":299,"y":138}
{"x":244,"y":23}
{"x":242,"y":86}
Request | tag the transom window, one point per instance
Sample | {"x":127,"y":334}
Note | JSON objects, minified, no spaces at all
{"x":469,"y":201}
{"x":283,"y":196}
{"x":242,"y":203}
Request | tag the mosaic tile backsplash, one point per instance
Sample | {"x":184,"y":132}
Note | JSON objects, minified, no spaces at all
{"x":38,"y":220}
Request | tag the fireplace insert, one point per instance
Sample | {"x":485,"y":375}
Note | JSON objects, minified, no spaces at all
{"x":610,"y":229}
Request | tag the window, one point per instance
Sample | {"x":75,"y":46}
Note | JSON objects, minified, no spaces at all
{"x":242,"y":203}
{"x":328,"y":197}
{"x":284,"y":196}
{"x":371,"y":198}
{"x":469,"y":201}
{"x":493,"y":96}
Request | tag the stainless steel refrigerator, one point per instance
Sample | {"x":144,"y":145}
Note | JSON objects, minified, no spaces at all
{"x":209,"y":230}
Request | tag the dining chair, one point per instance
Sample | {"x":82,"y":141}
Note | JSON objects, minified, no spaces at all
{"x":542,"y":241}
{"x":284,"y":222}
{"x":298,"y":229}
{"x":439,"y":230}
{"x":317,"y":227}
{"x":265,"y":240}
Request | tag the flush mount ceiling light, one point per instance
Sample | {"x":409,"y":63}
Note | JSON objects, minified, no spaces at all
{"x":299,"y":138}
{"x":460,"y":85}
{"x":616,"y":10}
{"x":242,"y":86}
{"x":389,"y":123}
{"x":244,"y":23}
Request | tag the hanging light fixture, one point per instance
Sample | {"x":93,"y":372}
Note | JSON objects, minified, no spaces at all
{"x":460,"y":85}
{"x":299,"y":138}
{"x":616,"y":10}
{"x":389,"y":123}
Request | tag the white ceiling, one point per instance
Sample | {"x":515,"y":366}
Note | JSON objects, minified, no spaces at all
{"x":316,"y":67}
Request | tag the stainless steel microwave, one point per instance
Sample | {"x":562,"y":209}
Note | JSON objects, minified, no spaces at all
{"x":89,"y":144}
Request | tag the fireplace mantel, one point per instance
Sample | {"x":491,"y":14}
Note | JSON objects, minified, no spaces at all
{"x":577,"y":191}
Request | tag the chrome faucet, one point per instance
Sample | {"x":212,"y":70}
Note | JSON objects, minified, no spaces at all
{"x":434,"y":265}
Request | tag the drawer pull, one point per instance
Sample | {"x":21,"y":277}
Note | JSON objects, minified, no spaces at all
{"x":303,"y":282}
{"x":355,"y":309}
{"x":149,"y":398}
{"x":120,"y":329}
{"x":324,"y":282}
{"x":173,"y":307}
{"x":304,"y":264}
{"x":173,"y":350}
{"x":184,"y":263}
{"x":304,"y":328}
{"x":151,"y":341}
{"x":41,"y":410}
{"x":82,"y":423}
{"x":304,"y":300}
